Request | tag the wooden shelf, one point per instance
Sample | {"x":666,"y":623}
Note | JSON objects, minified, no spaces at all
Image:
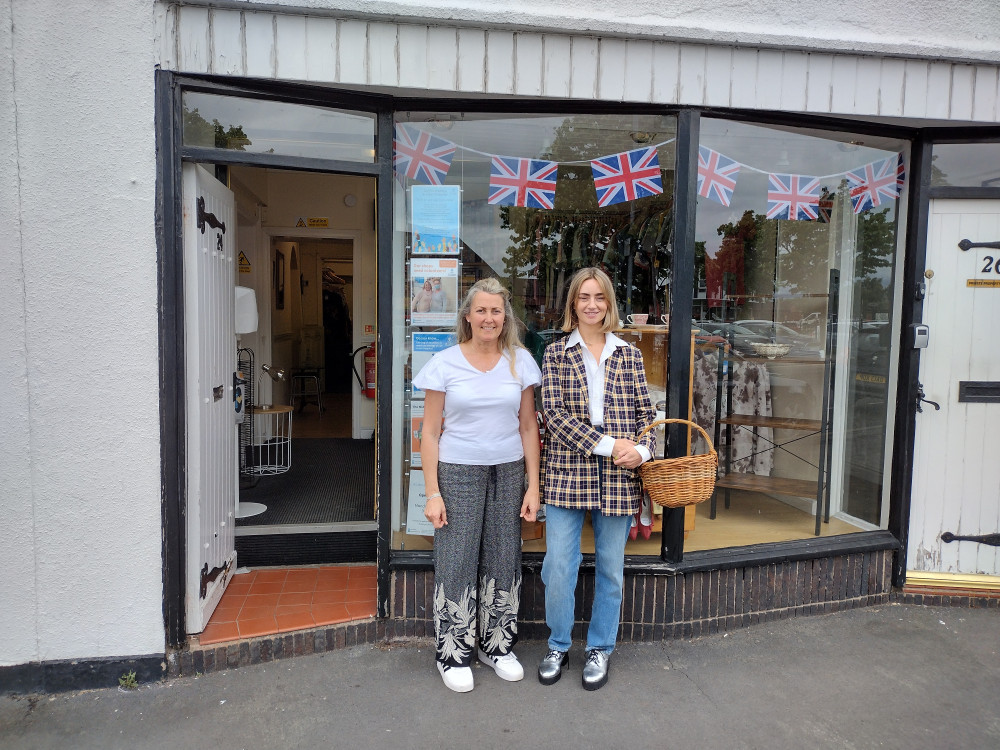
{"x":778,"y":423}
{"x":778,"y":485}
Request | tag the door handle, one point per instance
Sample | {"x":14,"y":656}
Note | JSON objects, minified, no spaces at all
{"x":969,"y":244}
{"x":921,"y":399}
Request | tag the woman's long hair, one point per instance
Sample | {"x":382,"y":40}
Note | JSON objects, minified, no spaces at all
{"x":509,"y":340}
{"x":611,"y":319}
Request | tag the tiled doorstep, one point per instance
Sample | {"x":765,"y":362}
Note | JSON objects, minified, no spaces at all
{"x":278,"y":600}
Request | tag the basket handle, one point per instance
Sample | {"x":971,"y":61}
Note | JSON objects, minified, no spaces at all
{"x":689,"y":423}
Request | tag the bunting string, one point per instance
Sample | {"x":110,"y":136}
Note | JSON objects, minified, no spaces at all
{"x":631,"y":175}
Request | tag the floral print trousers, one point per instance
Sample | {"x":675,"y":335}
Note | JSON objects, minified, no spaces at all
{"x":477,"y":560}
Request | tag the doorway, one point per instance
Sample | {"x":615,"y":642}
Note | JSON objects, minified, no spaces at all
{"x":307,"y":473}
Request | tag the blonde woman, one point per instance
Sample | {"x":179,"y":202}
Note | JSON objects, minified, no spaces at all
{"x":596,"y":402}
{"x":474,"y":473}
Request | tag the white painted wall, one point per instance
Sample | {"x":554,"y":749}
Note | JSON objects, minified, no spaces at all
{"x":915,"y":28}
{"x":80,"y":549}
{"x":482,"y":54}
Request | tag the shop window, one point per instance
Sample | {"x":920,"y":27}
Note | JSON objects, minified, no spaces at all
{"x":453,"y":227}
{"x":270,"y":127}
{"x":794,"y":303}
{"x":966,"y":165}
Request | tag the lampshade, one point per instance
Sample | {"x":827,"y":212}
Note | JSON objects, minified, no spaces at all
{"x":276,"y":373}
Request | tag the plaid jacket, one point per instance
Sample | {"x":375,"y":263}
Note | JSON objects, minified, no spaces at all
{"x":569,"y":464}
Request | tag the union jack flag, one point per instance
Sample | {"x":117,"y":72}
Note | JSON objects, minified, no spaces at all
{"x":421,"y":156}
{"x":627,"y":176}
{"x":522,"y":182}
{"x":792,"y":196}
{"x":716,"y":175}
{"x":876,"y":182}
{"x":825,"y":206}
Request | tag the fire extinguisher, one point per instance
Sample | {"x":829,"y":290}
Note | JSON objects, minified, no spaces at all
{"x":368,"y":384}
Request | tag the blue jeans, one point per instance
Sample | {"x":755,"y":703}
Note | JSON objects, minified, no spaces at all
{"x":562,"y":564}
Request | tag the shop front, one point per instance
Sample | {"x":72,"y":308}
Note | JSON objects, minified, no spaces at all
{"x":763,"y":263}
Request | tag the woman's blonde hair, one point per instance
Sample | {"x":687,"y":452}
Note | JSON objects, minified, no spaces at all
{"x":611,"y":319}
{"x":509,"y":340}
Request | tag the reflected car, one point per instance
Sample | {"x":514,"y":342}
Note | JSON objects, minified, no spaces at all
{"x":741,"y":339}
{"x":801,"y":345}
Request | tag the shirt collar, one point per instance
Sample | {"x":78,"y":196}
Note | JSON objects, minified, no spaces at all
{"x":610,"y":340}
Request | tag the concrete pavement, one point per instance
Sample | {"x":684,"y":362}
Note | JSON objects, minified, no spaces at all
{"x":892,"y":676}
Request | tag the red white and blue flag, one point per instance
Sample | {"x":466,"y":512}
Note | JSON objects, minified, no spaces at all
{"x":522,"y":182}
{"x":792,"y":196}
{"x":421,"y":156}
{"x":874,"y":183}
{"x":825,"y":206}
{"x":716,"y":175}
{"x":627,"y":176}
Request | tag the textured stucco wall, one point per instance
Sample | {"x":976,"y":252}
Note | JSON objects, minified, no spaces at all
{"x":917,"y":28}
{"x":80,"y":542}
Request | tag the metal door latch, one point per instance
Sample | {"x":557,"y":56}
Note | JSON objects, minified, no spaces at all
{"x":921,"y":399}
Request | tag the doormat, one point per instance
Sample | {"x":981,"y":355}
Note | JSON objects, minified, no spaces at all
{"x":331,"y":480}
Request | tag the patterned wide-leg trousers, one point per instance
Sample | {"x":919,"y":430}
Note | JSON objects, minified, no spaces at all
{"x":477,"y":560}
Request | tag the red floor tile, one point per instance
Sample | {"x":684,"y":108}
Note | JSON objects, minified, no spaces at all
{"x":218,"y":632}
{"x":279,"y":600}
{"x":262,"y":626}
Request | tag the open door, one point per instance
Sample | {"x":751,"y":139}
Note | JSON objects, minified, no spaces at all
{"x":955,"y":510}
{"x":213,"y":410}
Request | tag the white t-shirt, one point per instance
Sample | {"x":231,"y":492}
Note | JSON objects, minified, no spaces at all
{"x":480,"y":408}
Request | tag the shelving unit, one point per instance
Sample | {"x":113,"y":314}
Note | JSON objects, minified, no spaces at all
{"x":818,"y":489}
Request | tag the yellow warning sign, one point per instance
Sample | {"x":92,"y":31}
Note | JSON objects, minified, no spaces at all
{"x":244,"y":263}
{"x":312,"y":222}
{"x":992,"y":283}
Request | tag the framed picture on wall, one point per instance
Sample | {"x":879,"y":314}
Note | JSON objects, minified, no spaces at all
{"x":279,"y":280}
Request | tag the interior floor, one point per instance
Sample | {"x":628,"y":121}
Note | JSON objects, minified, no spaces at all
{"x":752,"y":518}
{"x":266,"y":601}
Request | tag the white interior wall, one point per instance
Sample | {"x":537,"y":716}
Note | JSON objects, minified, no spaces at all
{"x":80,"y":545}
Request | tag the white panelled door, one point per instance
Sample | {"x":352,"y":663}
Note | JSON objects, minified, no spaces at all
{"x":210,"y":354}
{"x":956,"y":474}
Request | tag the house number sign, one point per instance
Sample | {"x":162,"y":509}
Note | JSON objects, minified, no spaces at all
{"x":987,"y":268}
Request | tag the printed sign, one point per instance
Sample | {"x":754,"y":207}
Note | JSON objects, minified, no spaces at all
{"x":434,"y":291}
{"x":424,"y":347}
{"x":416,"y":522}
{"x":435,"y":211}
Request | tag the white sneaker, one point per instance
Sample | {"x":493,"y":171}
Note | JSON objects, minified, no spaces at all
{"x":458,"y":679}
{"x":507,"y":666}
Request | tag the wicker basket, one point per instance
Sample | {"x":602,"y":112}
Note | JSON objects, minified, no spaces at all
{"x":675,"y":482}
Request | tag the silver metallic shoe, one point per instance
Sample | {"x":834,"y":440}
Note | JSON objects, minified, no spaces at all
{"x":550,"y":668}
{"x":595,"y":670}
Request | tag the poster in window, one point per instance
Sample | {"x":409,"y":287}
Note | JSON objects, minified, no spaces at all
{"x":425,"y":345}
{"x":416,"y":521}
{"x":435,"y":211}
{"x":434,"y":291}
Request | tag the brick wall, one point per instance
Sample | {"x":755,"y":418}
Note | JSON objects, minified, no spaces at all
{"x":659,"y":606}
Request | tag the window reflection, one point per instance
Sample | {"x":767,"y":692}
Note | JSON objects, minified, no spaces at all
{"x":270,"y":127}
{"x":793,"y":308}
{"x":965,"y":165}
{"x":535,"y":249}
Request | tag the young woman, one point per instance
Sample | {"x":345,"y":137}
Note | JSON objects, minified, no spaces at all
{"x":474,"y":472}
{"x":596,"y":402}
